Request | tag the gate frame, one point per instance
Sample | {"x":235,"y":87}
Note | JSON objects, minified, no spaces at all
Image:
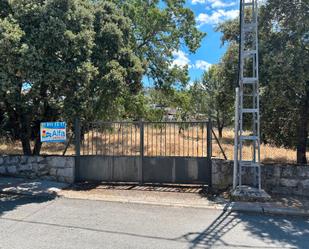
{"x":77,"y":142}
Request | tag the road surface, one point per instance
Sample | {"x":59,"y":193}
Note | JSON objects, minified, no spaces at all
{"x":30,"y":223}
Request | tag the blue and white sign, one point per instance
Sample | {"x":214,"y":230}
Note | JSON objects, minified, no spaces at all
{"x":53,"y":132}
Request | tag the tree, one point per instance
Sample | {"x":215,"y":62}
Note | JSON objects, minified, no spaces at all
{"x":60,"y":59}
{"x":161,"y":28}
{"x":284,"y":63}
{"x":198,"y":104}
{"x":219,"y":95}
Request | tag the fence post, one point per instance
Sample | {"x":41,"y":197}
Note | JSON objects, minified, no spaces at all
{"x":209,"y":149}
{"x":77,"y":146}
{"x":141,"y":125}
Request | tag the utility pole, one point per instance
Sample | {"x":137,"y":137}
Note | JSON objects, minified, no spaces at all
{"x":247,"y":111}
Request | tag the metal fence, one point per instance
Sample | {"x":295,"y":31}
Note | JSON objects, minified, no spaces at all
{"x":153,"y":139}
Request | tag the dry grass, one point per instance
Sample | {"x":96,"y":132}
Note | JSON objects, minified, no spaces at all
{"x":269,"y":154}
{"x":15,"y":148}
{"x":158,"y":141}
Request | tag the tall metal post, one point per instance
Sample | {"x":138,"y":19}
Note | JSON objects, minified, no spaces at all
{"x":247,"y":97}
{"x":209,"y":149}
{"x":77,"y":146}
{"x":141,"y":174}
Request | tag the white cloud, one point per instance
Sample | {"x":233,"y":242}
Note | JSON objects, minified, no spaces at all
{"x":203,"y":65}
{"x":215,"y":3}
{"x":181,"y":59}
{"x":198,"y":1}
{"x":216,"y":16}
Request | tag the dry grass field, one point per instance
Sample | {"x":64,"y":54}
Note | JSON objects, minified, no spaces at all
{"x":158,"y":141}
{"x":269,"y":154}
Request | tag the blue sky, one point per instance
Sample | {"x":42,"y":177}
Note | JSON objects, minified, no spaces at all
{"x":208,"y":13}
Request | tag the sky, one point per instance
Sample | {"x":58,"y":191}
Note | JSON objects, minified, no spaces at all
{"x":208,"y":14}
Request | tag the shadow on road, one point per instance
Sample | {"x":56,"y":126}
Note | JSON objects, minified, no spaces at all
{"x":10,"y":202}
{"x":277,"y":231}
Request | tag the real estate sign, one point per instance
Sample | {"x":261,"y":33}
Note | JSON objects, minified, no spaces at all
{"x":53,"y":132}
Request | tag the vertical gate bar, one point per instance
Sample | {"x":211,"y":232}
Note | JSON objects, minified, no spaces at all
{"x":131,"y":139}
{"x":192,"y":139}
{"x":170,"y":140}
{"x":96,"y":140}
{"x":108,"y":146}
{"x":160,"y":140}
{"x":141,"y":150}
{"x":118,"y":149}
{"x":152,"y":141}
{"x":108,"y":139}
{"x":126,"y":139}
{"x":121,"y":128}
{"x":134,"y":137}
{"x":104,"y":140}
{"x":85,"y":138}
{"x":174,"y":139}
{"x":113,"y":142}
{"x":209,"y":139}
{"x":123,"y":137}
{"x":91,"y":140}
{"x":188,"y":143}
{"x":99,"y":138}
{"x":165,"y":139}
{"x":82,"y":141}
{"x":156,"y":139}
{"x":197,"y":140}
{"x":183,"y":140}
{"x":178,"y":134}
{"x":88,"y":141}
{"x":202,"y":140}
{"x":77,"y":147}
{"x":147,"y":139}
{"x":209,"y":150}
{"x":83,"y":127}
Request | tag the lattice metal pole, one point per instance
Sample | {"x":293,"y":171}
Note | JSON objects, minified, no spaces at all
{"x":248,"y":88}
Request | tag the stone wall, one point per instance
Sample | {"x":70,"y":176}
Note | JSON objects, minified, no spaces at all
{"x":276,"y":178}
{"x":222,"y":174}
{"x":286,"y":179}
{"x":55,"y":168}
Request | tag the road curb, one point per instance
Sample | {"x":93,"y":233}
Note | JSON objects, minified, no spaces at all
{"x":265,"y":208}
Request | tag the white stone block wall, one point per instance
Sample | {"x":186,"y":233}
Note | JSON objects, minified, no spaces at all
{"x":55,"y":168}
{"x":276,"y":178}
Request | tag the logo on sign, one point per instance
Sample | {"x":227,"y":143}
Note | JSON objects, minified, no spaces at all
{"x":53,"y":132}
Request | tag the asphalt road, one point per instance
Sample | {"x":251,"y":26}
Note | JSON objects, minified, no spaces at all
{"x":30,"y":223}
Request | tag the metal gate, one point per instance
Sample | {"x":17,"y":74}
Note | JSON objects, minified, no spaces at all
{"x":145,"y":152}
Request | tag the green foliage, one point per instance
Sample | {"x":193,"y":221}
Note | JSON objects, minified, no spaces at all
{"x":61,"y":59}
{"x":219,"y":94}
{"x":284,"y":63}
{"x":161,"y":28}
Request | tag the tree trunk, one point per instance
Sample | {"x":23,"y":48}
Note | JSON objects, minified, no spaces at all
{"x":219,"y":126}
{"x":302,"y":138}
{"x":220,"y":129}
{"x":25,"y":134}
{"x":37,"y":146}
{"x":25,"y":141}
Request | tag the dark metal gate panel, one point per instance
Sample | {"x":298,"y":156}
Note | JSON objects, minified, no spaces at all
{"x":150,"y":152}
{"x":175,"y":170}
{"x":155,"y":169}
{"x":108,"y":168}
